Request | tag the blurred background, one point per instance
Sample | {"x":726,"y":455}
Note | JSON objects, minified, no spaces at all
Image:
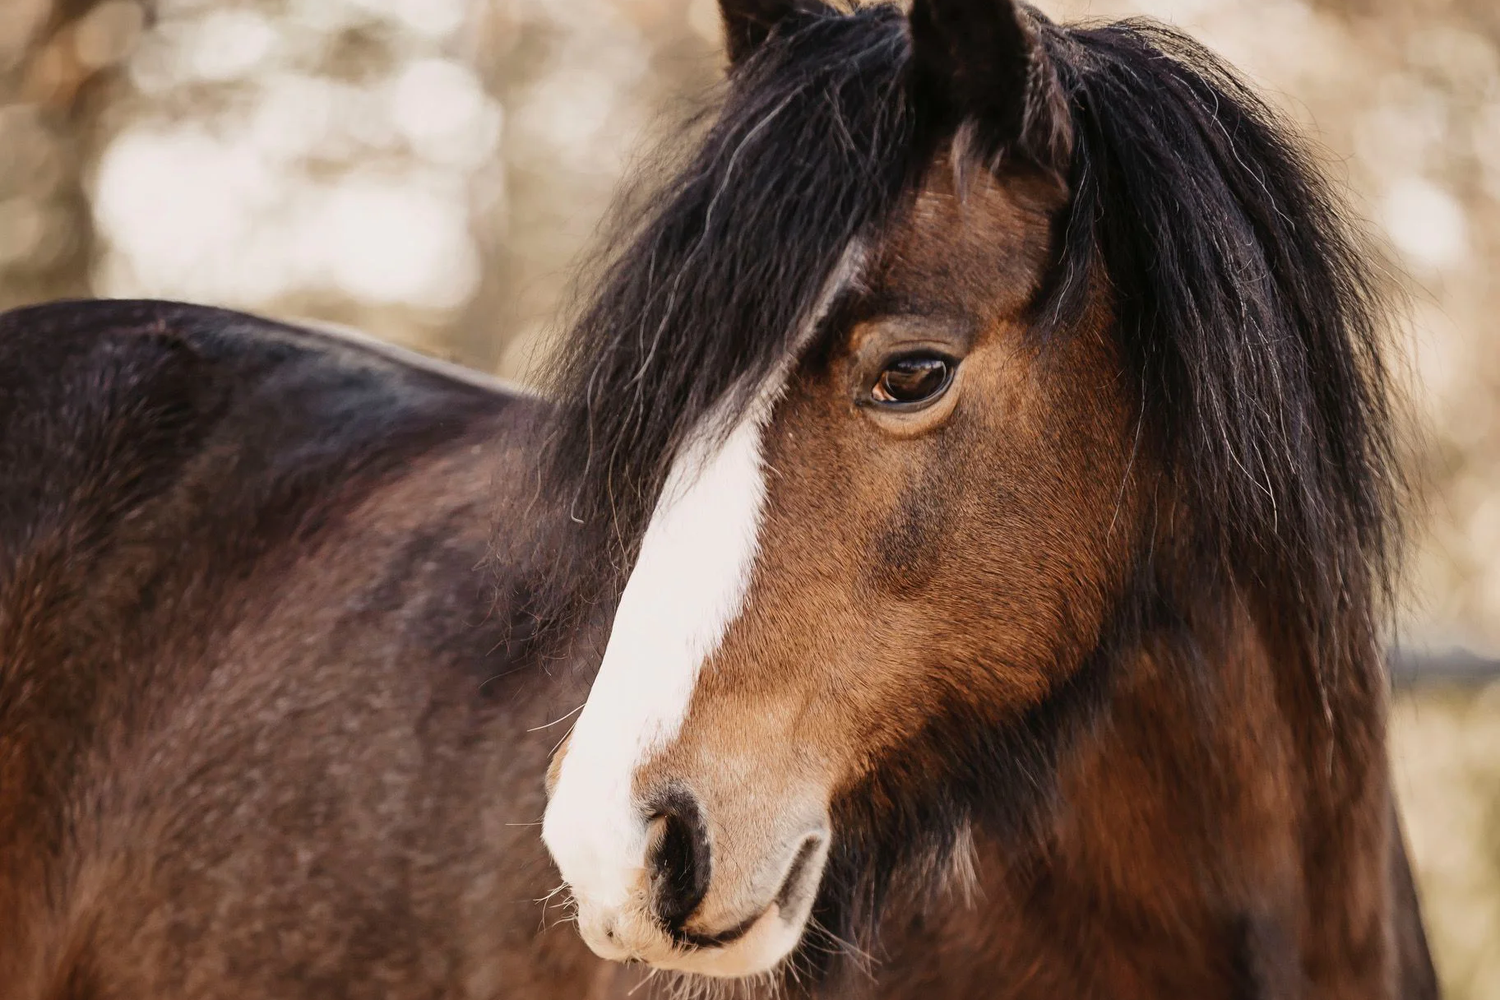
{"x":427,"y":169}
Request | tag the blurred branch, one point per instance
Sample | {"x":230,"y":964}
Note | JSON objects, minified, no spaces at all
{"x":1455,"y":667}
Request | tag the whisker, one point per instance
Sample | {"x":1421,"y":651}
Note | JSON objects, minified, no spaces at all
{"x":561,"y":888}
{"x":560,"y":742}
{"x":564,"y":718}
{"x":865,"y":961}
{"x":650,"y":976}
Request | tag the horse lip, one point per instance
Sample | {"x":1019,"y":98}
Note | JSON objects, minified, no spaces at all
{"x":721,"y":939}
{"x":789,"y":886}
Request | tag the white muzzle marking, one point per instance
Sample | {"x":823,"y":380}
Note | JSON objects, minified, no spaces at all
{"x":688,"y":586}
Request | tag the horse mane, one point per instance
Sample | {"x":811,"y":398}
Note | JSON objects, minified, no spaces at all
{"x":1251,"y":319}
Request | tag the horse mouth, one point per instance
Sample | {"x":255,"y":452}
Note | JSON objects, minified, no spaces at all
{"x":794,"y":891}
{"x":754,"y":946}
{"x":706,"y":942}
{"x":762,"y":941}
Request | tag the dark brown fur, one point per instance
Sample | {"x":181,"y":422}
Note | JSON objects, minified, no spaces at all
{"x":260,"y":729}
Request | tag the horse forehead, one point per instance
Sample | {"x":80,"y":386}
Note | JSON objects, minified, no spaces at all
{"x":702,"y":543}
{"x":972,"y":234}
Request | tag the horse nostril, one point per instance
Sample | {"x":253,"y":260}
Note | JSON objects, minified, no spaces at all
{"x":677,"y":856}
{"x":793,"y":886}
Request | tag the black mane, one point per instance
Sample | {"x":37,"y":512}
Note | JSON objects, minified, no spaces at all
{"x":1251,"y":317}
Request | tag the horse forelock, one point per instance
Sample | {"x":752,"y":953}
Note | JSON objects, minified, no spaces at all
{"x":708,"y":281}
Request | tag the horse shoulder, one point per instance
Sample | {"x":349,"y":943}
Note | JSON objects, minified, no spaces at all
{"x":174,"y":480}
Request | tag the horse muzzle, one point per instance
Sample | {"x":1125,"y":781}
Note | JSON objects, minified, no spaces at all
{"x":671,"y":885}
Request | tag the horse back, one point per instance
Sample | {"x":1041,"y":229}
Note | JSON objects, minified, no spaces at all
{"x":246,"y":634}
{"x":120,"y":418}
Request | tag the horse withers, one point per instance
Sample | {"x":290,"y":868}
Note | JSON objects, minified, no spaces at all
{"x":961,"y":522}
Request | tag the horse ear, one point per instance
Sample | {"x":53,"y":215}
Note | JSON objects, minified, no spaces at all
{"x":748,"y":23}
{"x":983,"y":60}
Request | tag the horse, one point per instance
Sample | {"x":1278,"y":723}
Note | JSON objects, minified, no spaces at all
{"x":949,"y":557}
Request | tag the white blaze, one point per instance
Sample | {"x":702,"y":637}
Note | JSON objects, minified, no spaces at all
{"x":688,"y":586}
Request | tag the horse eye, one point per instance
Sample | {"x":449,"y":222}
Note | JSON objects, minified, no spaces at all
{"x":915,"y":379}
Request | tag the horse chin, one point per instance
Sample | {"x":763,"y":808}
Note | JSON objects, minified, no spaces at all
{"x":756,"y":951}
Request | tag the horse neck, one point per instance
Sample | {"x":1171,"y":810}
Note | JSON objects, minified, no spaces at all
{"x":1196,"y":842}
{"x":1232,"y":774}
